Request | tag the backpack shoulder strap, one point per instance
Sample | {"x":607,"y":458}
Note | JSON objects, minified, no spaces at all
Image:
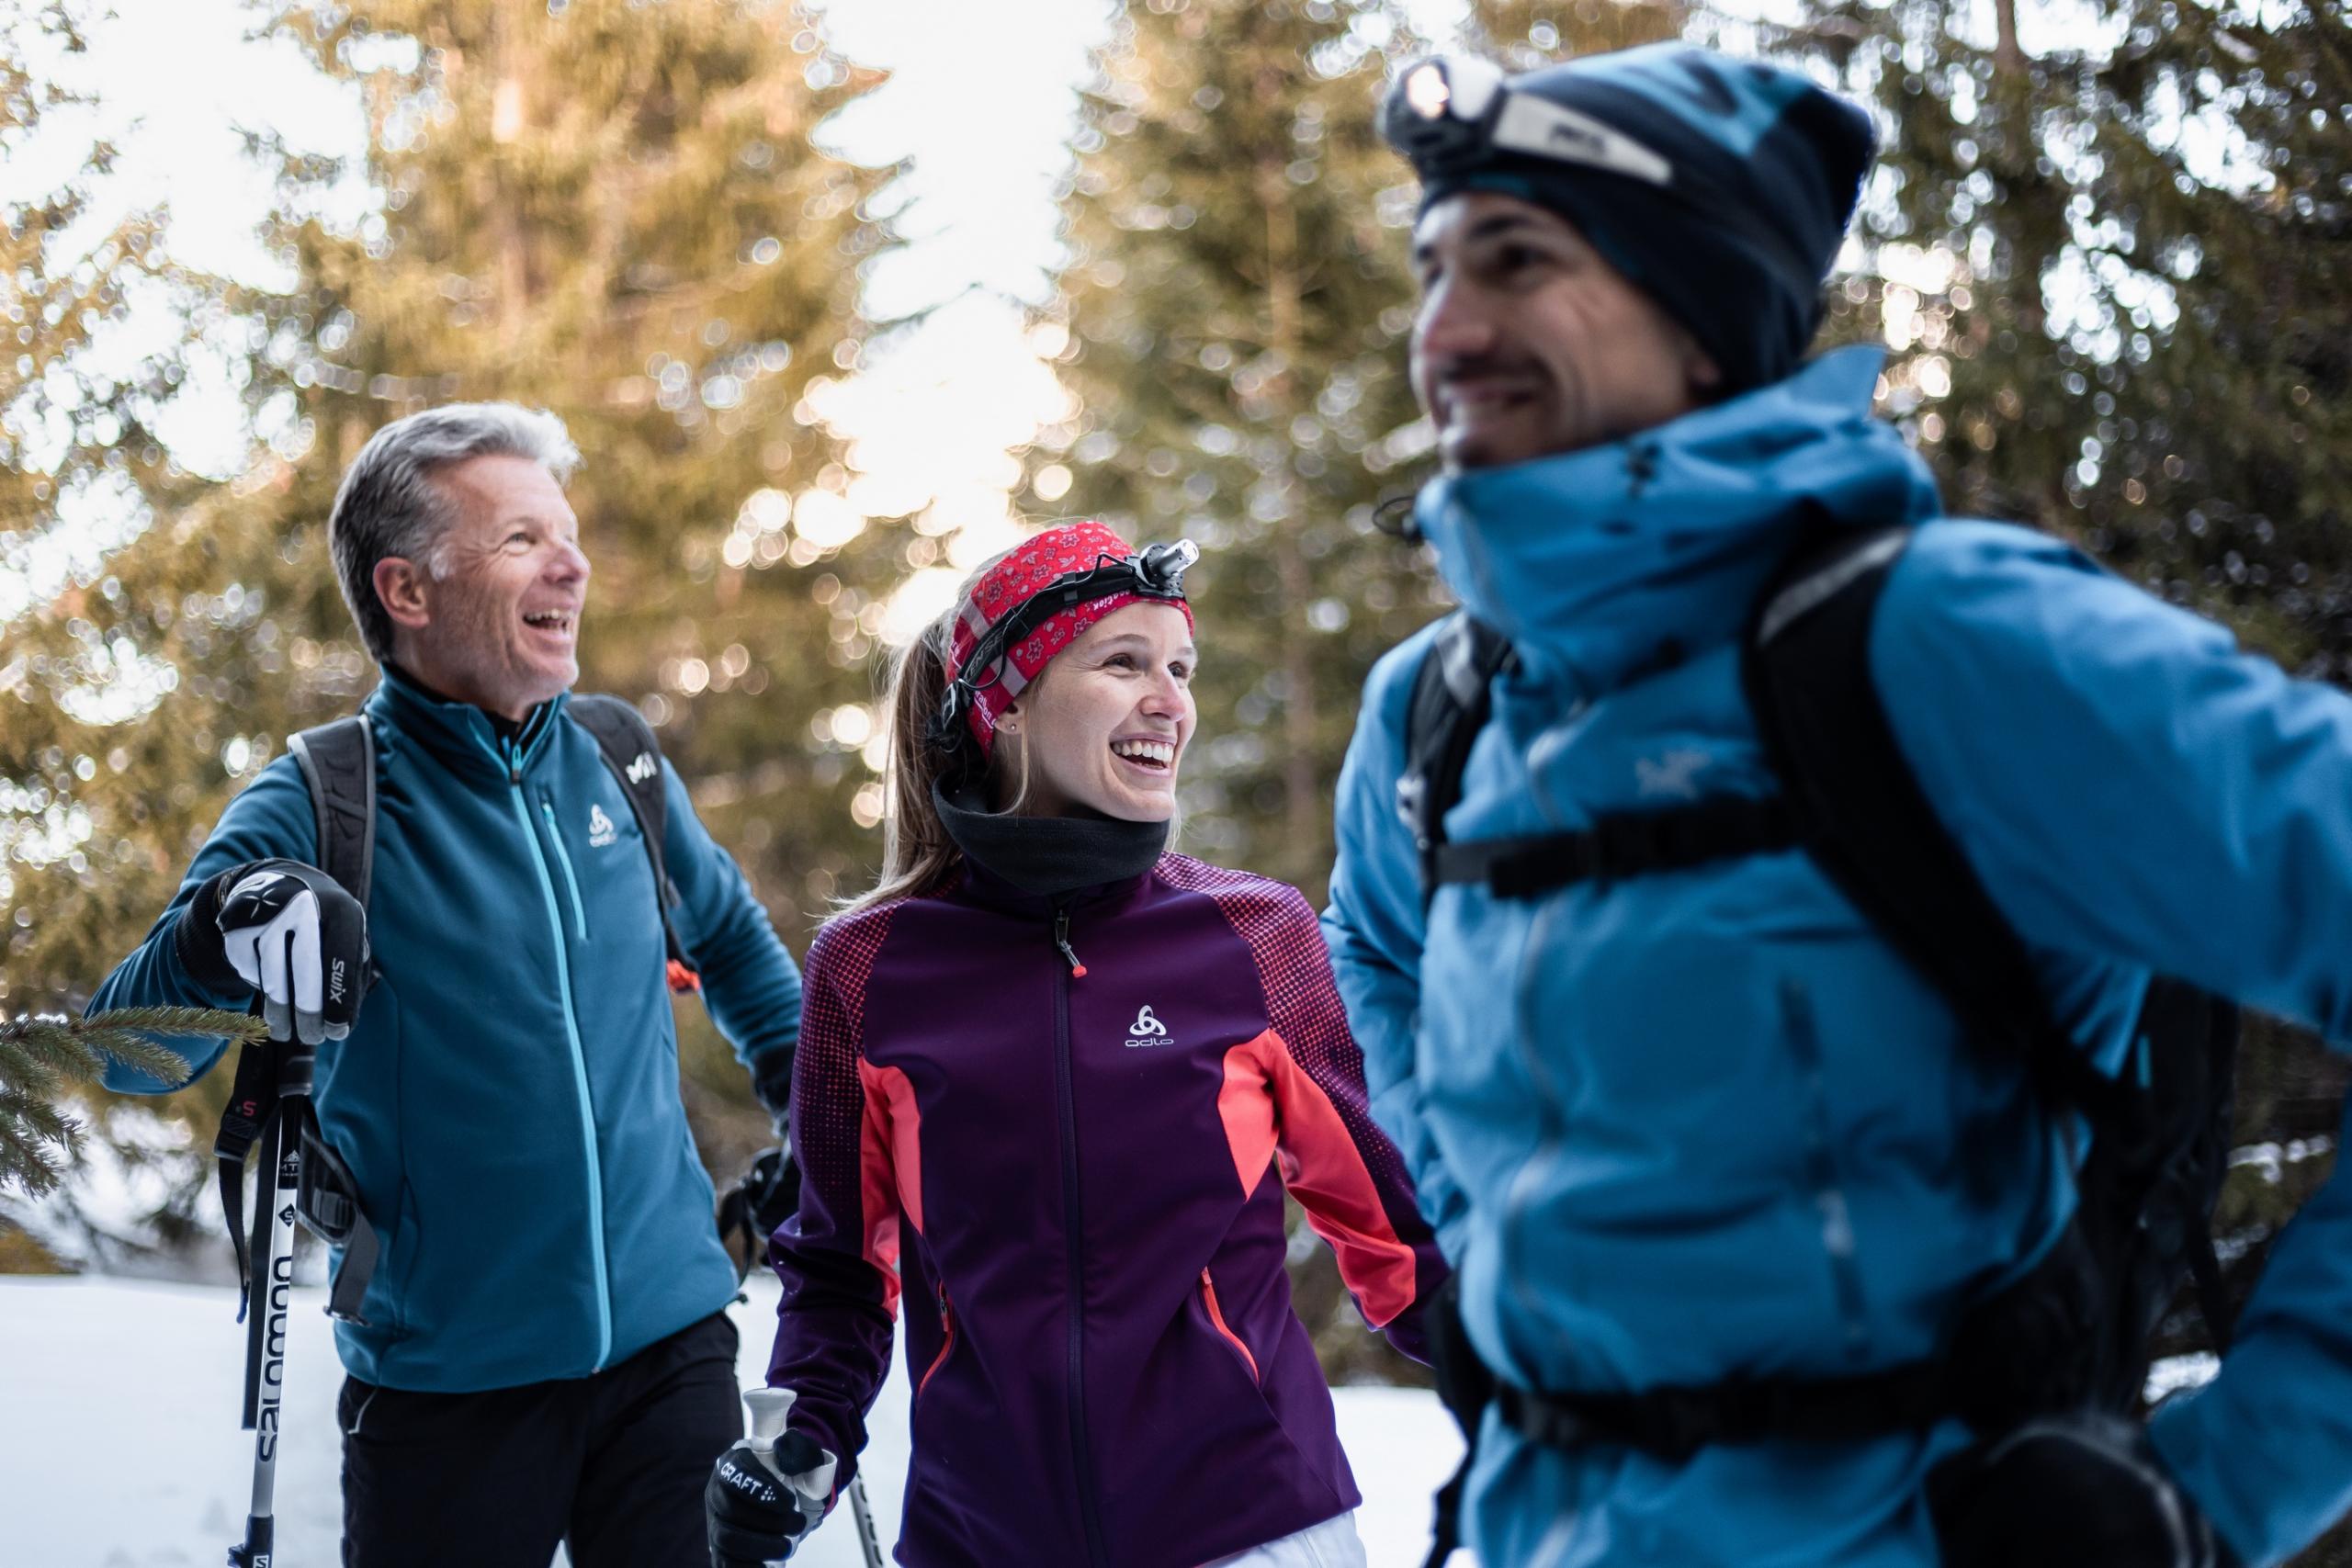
{"x":1453,"y":695}
{"x":634,"y":756}
{"x":338,"y":762}
{"x":1861,"y":816}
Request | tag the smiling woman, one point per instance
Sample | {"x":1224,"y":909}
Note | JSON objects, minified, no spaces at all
{"x":1103,"y":729}
{"x":987,"y":1121}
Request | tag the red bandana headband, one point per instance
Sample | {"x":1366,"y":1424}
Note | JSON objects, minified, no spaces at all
{"x":1035,"y":564}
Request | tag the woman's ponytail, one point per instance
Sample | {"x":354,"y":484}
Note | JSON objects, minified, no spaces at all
{"x":917,"y":853}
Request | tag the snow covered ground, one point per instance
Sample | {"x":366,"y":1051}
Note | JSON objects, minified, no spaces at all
{"x":119,"y":1446}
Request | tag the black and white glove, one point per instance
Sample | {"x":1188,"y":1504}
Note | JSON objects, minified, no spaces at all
{"x":2064,"y":1491}
{"x":768,"y":1491}
{"x":754,"y":1208}
{"x":286,"y":930}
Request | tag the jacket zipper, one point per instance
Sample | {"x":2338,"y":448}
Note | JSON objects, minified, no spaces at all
{"x":1216,"y":1317}
{"x":946,"y":1343}
{"x":513,"y":762}
{"x":1066,"y":1098}
{"x":571,"y":877}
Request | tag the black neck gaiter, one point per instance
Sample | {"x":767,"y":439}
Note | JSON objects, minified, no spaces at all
{"x":1048,"y":855}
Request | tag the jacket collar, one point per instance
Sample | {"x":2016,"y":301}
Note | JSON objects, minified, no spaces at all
{"x":460,"y":734}
{"x":1602,"y":563}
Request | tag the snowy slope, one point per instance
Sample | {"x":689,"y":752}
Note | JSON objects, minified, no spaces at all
{"x":120,"y":1448}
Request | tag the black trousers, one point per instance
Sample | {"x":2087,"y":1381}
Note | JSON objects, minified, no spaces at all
{"x":611,"y":1465}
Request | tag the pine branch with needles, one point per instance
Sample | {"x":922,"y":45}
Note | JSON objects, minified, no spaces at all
{"x":43,"y":1055}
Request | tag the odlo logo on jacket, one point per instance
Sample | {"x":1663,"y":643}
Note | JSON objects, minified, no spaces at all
{"x":1146,"y":1030}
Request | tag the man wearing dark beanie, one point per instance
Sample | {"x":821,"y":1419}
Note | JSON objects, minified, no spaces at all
{"x":1794,"y":935}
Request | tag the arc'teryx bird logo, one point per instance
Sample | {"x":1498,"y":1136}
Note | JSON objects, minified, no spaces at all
{"x":1676,"y":774}
{"x":1147,"y":1030}
{"x":601,"y":830}
{"x":641,"y":768}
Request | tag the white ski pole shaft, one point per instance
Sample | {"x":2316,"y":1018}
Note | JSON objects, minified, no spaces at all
{"x":866,"y":1538}
{"x":272,"y":1292}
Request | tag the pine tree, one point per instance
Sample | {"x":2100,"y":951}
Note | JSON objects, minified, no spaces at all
{"x":609,"y":209}
{"x":1237,"y":302}
{"x":78,"y":466}
{"x":2115,"y":281}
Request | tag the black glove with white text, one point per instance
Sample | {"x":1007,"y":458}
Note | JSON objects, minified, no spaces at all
{"x":2066,"y":1491}
{"x":761,"y":1502}
{"x":286,"y":930}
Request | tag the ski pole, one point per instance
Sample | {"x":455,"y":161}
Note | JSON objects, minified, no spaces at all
{"x":770,"y":1408}
{"x":865,"y":1518}
{"x":266,"y":1372}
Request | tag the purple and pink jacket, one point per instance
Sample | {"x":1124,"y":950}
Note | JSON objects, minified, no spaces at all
{"x":1077,"y":1179}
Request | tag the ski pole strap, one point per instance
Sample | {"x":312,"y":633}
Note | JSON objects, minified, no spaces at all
{"x":1674,"y":1424}
{"x":1631,"y":844}
{"x":253,"y":1106}
{"x":1465,"y":1388}
{"x":328,"y":1207}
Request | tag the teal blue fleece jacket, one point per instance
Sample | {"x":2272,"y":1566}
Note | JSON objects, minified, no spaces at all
{"x":1683,"y":1128}
{"x":508,"y":1099}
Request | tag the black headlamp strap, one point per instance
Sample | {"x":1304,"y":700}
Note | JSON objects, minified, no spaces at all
{"x":1157,"y":573}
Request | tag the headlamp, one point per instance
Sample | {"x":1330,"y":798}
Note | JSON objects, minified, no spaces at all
{"x":1453,"y":113}
{"x":1157,"y":572}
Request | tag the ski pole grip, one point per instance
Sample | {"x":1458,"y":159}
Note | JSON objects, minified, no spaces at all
{"x":771,"y":1408}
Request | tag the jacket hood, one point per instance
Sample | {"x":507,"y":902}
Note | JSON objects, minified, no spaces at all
{"x":1601,"y":563}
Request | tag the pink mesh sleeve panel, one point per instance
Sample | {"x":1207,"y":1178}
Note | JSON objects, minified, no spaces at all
{"x":837,"y":1256}
{"x":1387,"y":1253}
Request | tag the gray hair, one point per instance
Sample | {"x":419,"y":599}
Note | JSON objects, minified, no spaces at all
{"x":389,"y":506}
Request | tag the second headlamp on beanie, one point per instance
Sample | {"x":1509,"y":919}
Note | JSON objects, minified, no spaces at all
{"x":1721,"y":187}
{"x":986,"y":669}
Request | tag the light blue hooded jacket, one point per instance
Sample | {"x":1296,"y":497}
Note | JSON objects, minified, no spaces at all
{"x":1693,"y":1126}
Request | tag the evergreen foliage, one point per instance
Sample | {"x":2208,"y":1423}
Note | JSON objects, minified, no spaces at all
{"x":2117,"y":283}
{"x":43,"y":1055}
{"x":1237,"y":301}
{"x":80,"y":468}
{"x":611,"y":210}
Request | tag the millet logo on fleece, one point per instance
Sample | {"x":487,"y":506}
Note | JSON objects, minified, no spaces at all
{"x":1146,"y":1030}
{"x":600,"y":827}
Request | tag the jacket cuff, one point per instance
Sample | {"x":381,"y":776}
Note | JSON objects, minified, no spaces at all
{"x":195,"y":939}
{"x":772,"y":1085}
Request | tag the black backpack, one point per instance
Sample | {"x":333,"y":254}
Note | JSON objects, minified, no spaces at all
{"x":2074,"y":1331}
{"x":338,"y":763}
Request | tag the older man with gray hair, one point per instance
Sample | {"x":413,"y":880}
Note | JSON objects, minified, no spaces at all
{"x":541,"y":1353}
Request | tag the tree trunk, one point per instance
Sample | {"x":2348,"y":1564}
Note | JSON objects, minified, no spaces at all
{"x":1302,"y":810}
